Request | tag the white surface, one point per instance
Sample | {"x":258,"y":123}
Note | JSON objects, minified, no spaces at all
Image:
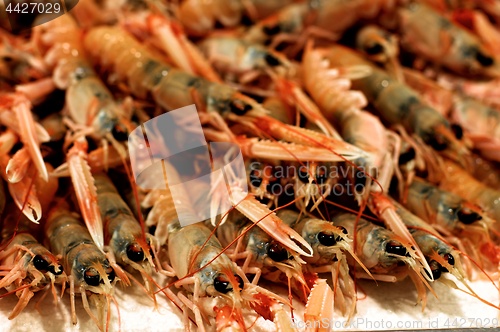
{"x":387,"y":306}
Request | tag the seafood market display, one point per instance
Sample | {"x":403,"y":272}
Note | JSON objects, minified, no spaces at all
{"x":368,"y":130}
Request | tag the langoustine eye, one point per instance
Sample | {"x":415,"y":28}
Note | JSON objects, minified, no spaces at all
{"x":450,"y":259}
{"x":277,"y":253}
{"x":327,"y":239}
{"x":224,"y":287}
{"x":438,"y":142}
{"x":119,"y":133}
{"x":321,"y":176}
{"x":92,"y":277}
{"x":436,"y":269}
{"x":303,"y":175}
{"x":239,"y":107}
{"x":135,"y":253}
{"x":255,"y":179}
{"x":484,"y":60}
{"x":373,"y":49}
{"x":43,"y":265}
{"x":395,"y":248}
{"x":467,"y":216}
{"x":40,"y":263}
{"x":272,"y":61}
{"x":407,"y":156}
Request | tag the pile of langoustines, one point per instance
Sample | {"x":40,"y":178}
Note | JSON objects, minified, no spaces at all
{"x":367,"y":132}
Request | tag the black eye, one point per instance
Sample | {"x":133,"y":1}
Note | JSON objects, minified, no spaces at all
{"x":468,"y":216}
{"x":111,"y":275}
{"x":221,"y":286}
{"x":240,"y":281}
{"x":239,"y":107}
{"x":246,"y":21}
{"x":437,"y":142}
{"x":40,"y":263}
{"x":274,"y":186}
{"x":91,"y":277}
{"x":484,"y":60}
{"x":321,"y":176}
{"x":436,"y":269}
{"x":53,"y":270}
{"x":395,"y":248}
{"x":344,"y":230}
{"x":407,"y":156}
{"x":327,"y":239}
{"x":152,"y":229}
{"x":271,"y":31}
{"x":303,"y":175}
{"x":373,"y":49}
{"x":272,"y":60}
{"x":458,"y":131}
{"x":7,"y":59}
{"x":450,"y":259}
{"x":120,"y":134}
{"x":135,"y":253}
{"x":255,"y":179}
{"x":277,"y":253}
